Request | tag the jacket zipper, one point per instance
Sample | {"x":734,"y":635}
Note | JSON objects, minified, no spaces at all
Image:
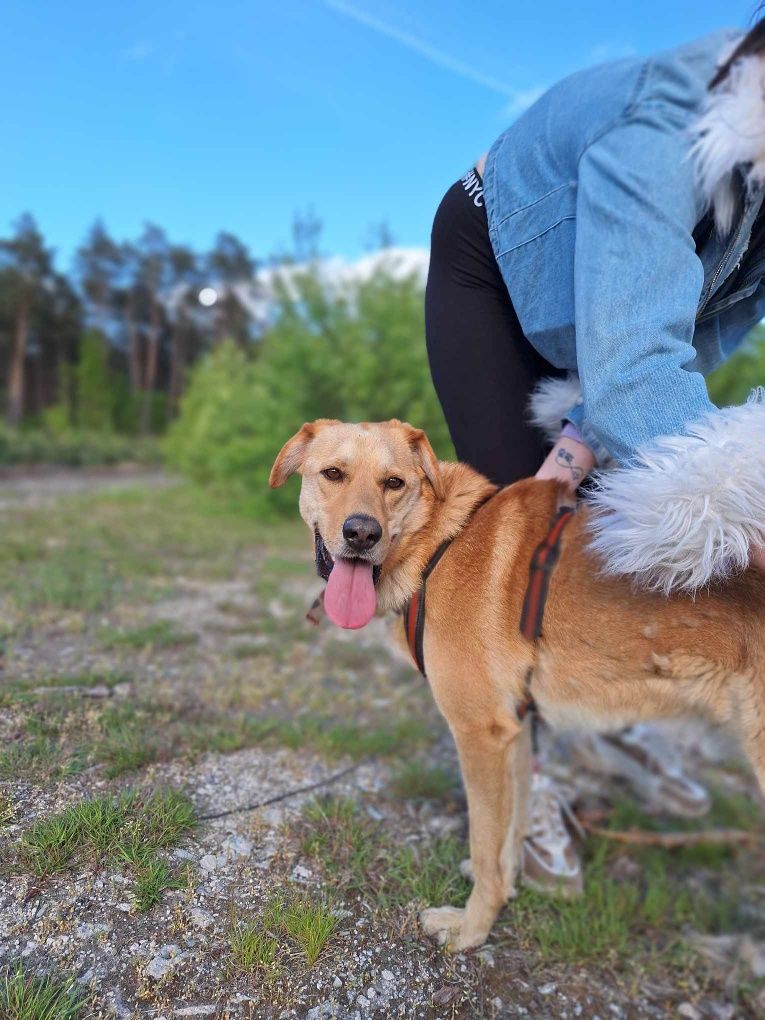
{"x":722,"y":265}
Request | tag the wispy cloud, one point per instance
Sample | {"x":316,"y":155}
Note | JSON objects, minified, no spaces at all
{"x":517,"y":99}
{"x":139,"y":51}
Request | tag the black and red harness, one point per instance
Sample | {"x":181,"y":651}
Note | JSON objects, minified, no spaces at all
{"x":543,"y":563}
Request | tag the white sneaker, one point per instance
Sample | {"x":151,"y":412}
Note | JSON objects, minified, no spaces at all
{"x":648,"y":762}
{"x":549,"y":862}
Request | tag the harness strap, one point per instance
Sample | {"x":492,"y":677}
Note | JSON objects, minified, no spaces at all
{"x":543,"y":562}
{"x":414,"y":613}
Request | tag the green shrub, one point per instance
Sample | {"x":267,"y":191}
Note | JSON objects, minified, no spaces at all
{"x":355,"y":353}
{"x":74,"y":448}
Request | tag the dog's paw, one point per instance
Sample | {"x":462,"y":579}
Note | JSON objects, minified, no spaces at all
{"x":466,"y":870}
{"x":447,"y":926}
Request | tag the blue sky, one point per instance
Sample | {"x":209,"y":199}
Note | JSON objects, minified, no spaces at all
{"x":235,"y":115}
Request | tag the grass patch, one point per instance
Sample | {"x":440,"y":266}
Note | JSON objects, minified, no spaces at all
{"x":253,"y":950}
{"x":344,"y":843}
{"x":127,"y":741}
{"x":128,"y":829}
{"x":350,"y":850}
{"x":40,"y":757}
{"x":295,"y":923}
{"x":310,"y":925}
{"x":24,"y":996}
{"x":427,"y":875}
{"x":617,"y":918}
{"x":159,"y":634}
{"x":414,"y":780}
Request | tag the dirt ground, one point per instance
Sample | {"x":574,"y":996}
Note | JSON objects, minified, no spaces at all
{"x":210,"y":808}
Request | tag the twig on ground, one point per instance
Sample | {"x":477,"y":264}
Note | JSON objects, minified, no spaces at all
{"x":669,"y":840}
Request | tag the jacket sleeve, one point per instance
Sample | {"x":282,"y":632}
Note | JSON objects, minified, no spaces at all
{"x":688,"y":500}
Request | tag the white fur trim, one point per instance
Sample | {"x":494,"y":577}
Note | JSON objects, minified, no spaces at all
{"x":730,"y":133}
{"x":686,"y":510}
{"x":551,"y":400}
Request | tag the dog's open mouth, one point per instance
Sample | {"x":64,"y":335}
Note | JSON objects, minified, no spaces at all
{"x":349,"y":600}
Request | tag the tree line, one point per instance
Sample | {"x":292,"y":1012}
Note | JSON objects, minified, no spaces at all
{"x":128,"y":316}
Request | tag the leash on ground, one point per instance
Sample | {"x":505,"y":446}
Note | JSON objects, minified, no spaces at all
{"x":334,"y":778}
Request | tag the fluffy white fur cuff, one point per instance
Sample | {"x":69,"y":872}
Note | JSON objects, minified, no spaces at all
{"x":685,"y":511}
{"x":551,"y":400}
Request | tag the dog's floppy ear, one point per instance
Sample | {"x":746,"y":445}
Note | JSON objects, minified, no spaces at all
{"x":426,"y":457}
{"x":292,"y":454}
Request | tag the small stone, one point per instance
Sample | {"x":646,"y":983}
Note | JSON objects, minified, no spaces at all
{"x":486,"y":957}
{"x":87,"y":931}
{"x":301,"y":874}
{"x":209,"y":862}
{"x":361,"y":1002}
{"x":753,"y":954}
{"x":195,"y":1011}
{"x":201,"y":918}
{"x":238,"y":846}
{"x":388,"y":976}
{"x":160,"y":967}
{"x":688,"y":1011}
{"x":546,"y":989}
{"x":337,"y":983}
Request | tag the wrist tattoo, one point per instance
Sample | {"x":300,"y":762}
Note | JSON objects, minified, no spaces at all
{"x":565,"y":459}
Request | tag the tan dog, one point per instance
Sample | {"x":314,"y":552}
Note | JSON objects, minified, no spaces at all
{"x":380,"y":504}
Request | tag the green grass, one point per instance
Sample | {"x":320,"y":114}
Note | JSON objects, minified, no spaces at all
{"x":414,"y":780}
{"x":128,"y":829}
{"x":344,"y":843}
{"x":286,"y":924}
{"x":24,"y":996}
{"x":310,"y":925}
{"x":616,"y":918}
{"x":158,"y":634}
{"x":253,"y":949}
{"x":128,"y":740}
{"x":353,"y":853}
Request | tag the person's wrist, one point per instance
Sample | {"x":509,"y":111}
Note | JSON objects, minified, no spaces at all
{"x":569,"y":461}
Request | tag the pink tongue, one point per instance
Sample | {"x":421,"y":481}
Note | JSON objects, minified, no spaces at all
{"x":349,"y":598}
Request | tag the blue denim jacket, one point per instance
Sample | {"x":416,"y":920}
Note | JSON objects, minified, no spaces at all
{"x":593,"y":202}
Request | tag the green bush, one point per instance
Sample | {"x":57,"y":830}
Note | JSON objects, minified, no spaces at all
{"x":355,"y":353}
{"x":74,"y":448}
{"x":734,"y":381}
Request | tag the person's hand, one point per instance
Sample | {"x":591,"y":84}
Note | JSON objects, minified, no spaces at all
{"x":569,"y":461}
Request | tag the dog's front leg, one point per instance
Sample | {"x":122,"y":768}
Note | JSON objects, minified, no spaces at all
{"x":485,"y":756}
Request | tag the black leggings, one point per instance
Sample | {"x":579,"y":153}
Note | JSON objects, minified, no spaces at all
{"x":483,"y":367}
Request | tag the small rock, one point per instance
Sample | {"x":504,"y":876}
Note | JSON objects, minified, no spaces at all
{"x":446,"y":994}
{"x":753,"y":954}
{"x":688,"y":1011}
{"x":388,"y":976}
{"x":87,"y":931}
{"x":159,"y":967}
{"x":209,"y":862}
{"x":195,"y":1011}
{"x":486,"y":957}
{"x":301,"y":874}
{"x":546,"y":989}
{"x":201,"y":918}
{"x":337,"y":983}
{"x":238,"y":846}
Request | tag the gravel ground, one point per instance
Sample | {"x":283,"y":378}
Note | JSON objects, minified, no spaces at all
{"x":149,"y":640}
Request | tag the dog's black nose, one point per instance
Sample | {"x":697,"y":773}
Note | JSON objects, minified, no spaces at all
{"x":361,"y":532}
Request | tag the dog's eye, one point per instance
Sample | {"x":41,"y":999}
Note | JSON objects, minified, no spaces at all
{"x":333,"y":474}
{"x":394,"y":483}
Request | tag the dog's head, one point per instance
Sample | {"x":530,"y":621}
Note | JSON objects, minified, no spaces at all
{"x":365,"y":488}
